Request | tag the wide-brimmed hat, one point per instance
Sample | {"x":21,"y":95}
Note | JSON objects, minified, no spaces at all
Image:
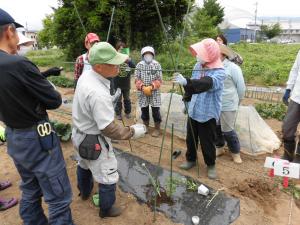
{"x":225,"y":50}
{"x":105,"y":53}
{"x":209,"y":51}
{"x":23,"y":40}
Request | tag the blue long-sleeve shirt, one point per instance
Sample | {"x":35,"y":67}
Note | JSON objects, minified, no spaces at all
{"x":234,"y":86}
{"x":207,"y":105}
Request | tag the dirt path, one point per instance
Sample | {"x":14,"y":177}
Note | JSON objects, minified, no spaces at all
{"x":261,"y":203}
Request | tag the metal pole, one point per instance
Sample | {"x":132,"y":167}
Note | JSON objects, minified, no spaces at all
{"x":128,"y":139}
{"x":76,"y":10}
{"x":110,"y":23}
{"x":175,"y":67}
{"x":171,"y":167}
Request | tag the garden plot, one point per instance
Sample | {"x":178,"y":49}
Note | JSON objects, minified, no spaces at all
{"x":184,"y":202}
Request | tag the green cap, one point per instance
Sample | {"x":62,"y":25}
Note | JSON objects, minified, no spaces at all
{"x":105,"y":53}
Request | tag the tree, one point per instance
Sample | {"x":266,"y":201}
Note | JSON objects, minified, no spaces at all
{"x":135,"y":21}
{"x":205,"y":20}
{"x":203,"y":25}
{"x":45,"y":36}
{"x":271,"y":30}
{"x":213,"y":10}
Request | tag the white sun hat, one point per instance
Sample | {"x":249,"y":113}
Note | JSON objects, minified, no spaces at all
{"x":147,"y":49}
{"x":23,"y":40}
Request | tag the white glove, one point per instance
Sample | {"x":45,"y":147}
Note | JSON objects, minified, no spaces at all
{"x":179,"y":79}
{"x":139,"y":130}
{"x":116,"y":96}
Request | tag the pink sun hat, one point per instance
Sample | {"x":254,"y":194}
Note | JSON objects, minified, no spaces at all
{"x":209,"y":51}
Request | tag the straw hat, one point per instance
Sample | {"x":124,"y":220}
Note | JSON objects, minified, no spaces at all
{"x":225,"y":50}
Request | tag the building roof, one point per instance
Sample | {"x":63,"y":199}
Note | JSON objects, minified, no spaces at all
{"x":286,"y":24}
{"x":238,"y":18}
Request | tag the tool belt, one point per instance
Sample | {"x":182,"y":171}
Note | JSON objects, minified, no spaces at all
{"x":90,"y":148}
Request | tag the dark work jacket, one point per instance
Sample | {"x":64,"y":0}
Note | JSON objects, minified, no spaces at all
{"x":122,"y":81}
{"x":25,"y":94}
{"x":196,"y":86}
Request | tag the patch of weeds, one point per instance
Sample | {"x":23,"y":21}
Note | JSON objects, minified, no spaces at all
{"x":62,"y":81}
{"x":271,"y":110}
{"x":292,"y":190}
{"x":63,"y":130}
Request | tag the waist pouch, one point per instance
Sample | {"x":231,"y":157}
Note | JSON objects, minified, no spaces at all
{"x":46,"y":135}
{"x":90,"y":147}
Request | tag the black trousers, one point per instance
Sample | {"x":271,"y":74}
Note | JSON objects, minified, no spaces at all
{"x":220,"y":139}
{"x":126,"y":100}
{"x":206,"y":133}
{"x":155,"y":114}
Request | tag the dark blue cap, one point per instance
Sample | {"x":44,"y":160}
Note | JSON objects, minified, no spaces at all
{"x":5,"y":19}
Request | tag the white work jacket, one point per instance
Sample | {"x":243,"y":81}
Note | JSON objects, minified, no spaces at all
{"x":293,"y":82}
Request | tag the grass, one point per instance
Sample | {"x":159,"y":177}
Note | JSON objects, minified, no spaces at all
{"x":270,"y":110}
{"x":62,"y":81}
{"x":267,"y":64}
{"x":264,"y":63}
{"x":50,"y":58}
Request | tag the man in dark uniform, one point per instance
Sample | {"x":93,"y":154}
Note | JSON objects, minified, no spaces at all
{"x":25,"y":95}
{"x":122,"y":81}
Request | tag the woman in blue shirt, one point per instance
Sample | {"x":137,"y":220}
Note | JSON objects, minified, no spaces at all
{"x":203,"y":93}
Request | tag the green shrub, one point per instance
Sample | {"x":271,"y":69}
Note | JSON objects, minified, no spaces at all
{"x":63,"y":130}
{"x":62,"y":81}
{"x":270,"y":110}
{"x":264,"y":63}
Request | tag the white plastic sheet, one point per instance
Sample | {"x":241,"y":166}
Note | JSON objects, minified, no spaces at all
{"x":176,"y":116}
{"x":256,"y":137}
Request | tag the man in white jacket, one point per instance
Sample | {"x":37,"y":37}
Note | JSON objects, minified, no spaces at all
{"x":94,"y":127}
{"x":292,"y":117}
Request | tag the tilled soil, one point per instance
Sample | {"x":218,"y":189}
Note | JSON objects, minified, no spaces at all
{"x":261,"y":202}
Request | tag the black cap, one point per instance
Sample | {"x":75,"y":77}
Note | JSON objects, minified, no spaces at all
{"x":5,"y":18}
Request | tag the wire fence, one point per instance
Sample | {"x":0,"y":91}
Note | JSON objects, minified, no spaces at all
{"x":268,"y":94}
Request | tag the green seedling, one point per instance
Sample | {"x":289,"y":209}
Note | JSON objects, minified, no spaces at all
{"x":171,"y":186}
{"x":154,"y":184}
{"x":191,"y":185}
